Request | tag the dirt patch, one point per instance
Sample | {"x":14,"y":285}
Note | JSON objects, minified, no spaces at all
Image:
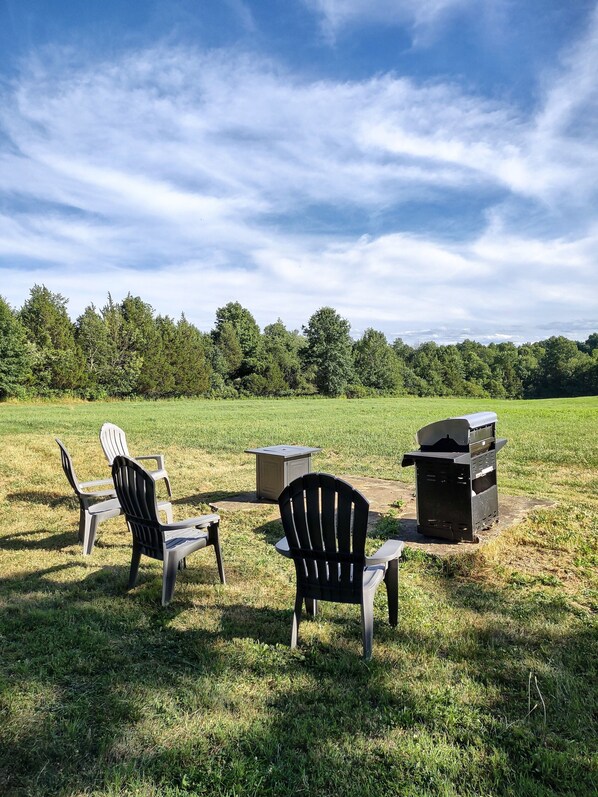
{"x":383,"y":495}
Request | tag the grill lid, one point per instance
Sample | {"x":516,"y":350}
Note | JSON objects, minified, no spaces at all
{"x":457,"y":429}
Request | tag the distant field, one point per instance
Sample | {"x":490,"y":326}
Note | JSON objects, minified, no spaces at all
{"x":103,"y":692}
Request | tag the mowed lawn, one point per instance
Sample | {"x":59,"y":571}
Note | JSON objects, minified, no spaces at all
{"x":487,"y":686}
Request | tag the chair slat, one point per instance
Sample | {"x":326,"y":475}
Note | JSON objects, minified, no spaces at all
{"x":329,"y":521}
{"x":313,"y":513}
{"x":345,"y":505}
{"x":301,"y":528}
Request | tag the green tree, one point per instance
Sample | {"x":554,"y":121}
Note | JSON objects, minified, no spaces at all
{"x":281,"y":360}
{"x":185,"y":347}
{"x":93,"y":338}
{"x":376,"y":364}
{"x":155,"y":374}
{"x":428,"y":370}
{"x":110,"y":349}
{"x":228,"y":354}
{"x":476,"y":371}
{"x":329,"y":351}
{"x":58,"y":362}
{"x":15,"y":357}
{"x":248,"y":336}
{"x":557,"y":367}
{"x":452,"y":370}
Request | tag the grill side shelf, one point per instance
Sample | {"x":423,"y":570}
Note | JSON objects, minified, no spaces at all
{"x":456,"y":457}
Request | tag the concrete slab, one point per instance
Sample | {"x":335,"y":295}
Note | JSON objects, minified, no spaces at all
{"x":383,"y":495}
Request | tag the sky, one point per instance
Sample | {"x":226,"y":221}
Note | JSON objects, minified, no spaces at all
{"x":428,"y":168}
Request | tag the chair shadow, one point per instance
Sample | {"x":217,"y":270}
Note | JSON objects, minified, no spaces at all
{"x":42,"y":497}
{"x":19,"y":541}
{"x":271,"y":531}
{"x":207,"y":498}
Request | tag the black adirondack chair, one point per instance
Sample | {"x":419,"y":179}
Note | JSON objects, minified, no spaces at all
{"x":325,"y":523}
{"x":170,"y":543}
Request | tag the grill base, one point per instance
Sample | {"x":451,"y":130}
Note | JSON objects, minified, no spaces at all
{"x":451,"y":506}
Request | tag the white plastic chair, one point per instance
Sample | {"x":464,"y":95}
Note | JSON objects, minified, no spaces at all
{"x":95,"y":506}
{"x":114,"y":444}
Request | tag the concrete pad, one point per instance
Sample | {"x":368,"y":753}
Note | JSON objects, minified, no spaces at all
{"x":384,"y":493}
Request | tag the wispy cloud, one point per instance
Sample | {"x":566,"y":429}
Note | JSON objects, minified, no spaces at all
{"x":418,"y":14}
{"x":194,"y":178}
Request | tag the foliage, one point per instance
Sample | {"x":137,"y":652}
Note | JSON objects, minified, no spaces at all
{"x":125,"y":350}
{"x":15,"y":357}
{"x":57,"y":360}
{"x":376,"y":363}
{"x":329,"y":351}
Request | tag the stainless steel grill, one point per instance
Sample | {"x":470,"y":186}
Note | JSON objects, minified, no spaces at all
{"x":456,"y":476}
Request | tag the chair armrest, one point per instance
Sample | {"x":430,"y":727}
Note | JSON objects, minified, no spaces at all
{"x":200,"y":522}
{"x":282,"y":547}
{"x":96,"y":484}
{"x":158,"y":457}
{"x":391,"y":549}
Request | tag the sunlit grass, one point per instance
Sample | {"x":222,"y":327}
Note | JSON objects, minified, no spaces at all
{"x":103,"y":692}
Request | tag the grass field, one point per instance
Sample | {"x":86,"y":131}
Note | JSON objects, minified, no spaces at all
{"x":487,"y":687}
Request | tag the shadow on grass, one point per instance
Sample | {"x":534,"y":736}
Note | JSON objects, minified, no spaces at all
{"x":29,"y":540}
{"x":207,"y":498}
{"x":99,"y":687}
{"x":42,"y":497}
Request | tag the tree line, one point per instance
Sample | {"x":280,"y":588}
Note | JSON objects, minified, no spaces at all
{"x":125,"y":350}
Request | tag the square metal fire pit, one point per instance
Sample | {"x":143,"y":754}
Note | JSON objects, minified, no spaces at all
{"x":277,"y":466}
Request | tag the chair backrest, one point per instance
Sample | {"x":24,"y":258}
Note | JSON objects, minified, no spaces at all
{"x":113,"y":441}
{"x":67,"y":467}
{"x":136,"y":493}
{"x":325,"y":523}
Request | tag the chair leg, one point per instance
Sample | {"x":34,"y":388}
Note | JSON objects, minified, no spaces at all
{"x":215,"y":539}
{"x":90,"y":535}
{"x":182,"y":565}
{"x":83,"y":516}
{"x":296,"y":619}
{"x":168,"y":513}
{"x":311,"y":607}
{"x":135,"y":559}
{"x":87,"y":524}
{"x":392,"y":591}
{"x":367,"y":623}
{"x":170,"y":568}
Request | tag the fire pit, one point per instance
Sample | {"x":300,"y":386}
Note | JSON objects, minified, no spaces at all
{"x":456,"y":476}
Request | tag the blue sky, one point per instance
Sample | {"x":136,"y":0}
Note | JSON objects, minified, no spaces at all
{"x":426,"y":167}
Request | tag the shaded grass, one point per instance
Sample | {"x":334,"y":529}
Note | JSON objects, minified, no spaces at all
{"x":103,"y":692}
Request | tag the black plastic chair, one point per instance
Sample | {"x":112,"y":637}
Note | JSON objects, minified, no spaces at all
{"x":170,"y":543}
{"x":325,"y":523}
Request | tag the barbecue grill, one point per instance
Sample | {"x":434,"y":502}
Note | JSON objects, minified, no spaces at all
{"x":456,"y":476}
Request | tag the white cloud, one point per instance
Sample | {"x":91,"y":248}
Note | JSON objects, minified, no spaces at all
{"x":194,"y":179}
{"x":337,"y":14}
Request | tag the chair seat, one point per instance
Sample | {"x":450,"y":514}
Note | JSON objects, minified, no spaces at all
{"x":158,"y":474}
{"x":110,"y":508}
{"x":186,"y":541}
{"x":98,"y":494}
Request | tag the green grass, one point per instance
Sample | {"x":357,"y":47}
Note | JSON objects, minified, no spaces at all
{"x":103,"y":692}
